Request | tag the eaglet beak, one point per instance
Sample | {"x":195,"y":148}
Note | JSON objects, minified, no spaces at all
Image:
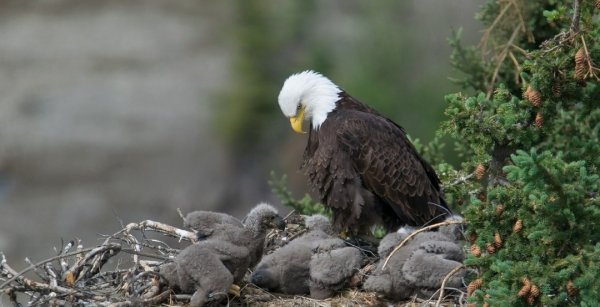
{"x":296,"y":121}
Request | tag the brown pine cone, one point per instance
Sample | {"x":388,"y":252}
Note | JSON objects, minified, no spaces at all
{"x":571,"y":290}
{"x":556,"y":88}
{"x":479,"y":171}
{"x":580,"y":56}
{"x":539,"y":120}
{"x":526,"y":287}
{"x":535,"y":291}
{"x":474,"y":285}
{"x":472,"y":237}
{"x":580,"y":71}
{"x":482,"y":196}
{"x":475,"y":250}
{"x":491,"y":249}
{"x":527,"y":92}
{"x":497,"y":240}
{"x":598,"y":4}
{"x":518,"y":226}
{"x":535,"y":98}
{"x":530,"y":300}
{"x":499,"y":210}
{"x":580,"y":65}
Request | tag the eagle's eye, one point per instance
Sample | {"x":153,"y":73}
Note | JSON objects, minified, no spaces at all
{"x":298,"y":107}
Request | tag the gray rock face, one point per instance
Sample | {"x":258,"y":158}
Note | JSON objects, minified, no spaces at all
{"x":105,"y":106}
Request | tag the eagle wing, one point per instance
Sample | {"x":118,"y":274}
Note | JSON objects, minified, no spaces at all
{"x":206,"y":222}
{"x":390,"y":167}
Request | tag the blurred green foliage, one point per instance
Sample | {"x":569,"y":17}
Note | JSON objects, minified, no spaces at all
{"x":365,"y":47}
{"x":270,"y":41}
{"x":306,"y":205}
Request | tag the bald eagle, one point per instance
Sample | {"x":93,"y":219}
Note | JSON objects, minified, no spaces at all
{"x":361,"y":163}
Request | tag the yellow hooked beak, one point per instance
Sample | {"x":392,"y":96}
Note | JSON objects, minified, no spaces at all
{"x":296,"y":121}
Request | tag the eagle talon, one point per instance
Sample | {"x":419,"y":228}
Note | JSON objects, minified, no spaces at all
{"x":234,"y":290}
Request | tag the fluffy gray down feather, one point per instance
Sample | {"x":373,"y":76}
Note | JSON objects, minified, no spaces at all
{"x":289,"y":268}
{"x":286,"y":270}
{"x":391,"y":282}
{"x":330,"y":271}
{"x":205,"y":223}
{"x":420,"y":265}
{"x":226,"y":253}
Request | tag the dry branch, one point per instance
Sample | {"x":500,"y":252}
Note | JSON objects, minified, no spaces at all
{"x":162,"y":228}
{"x":456,"y":269}
{"x":80,"y":276}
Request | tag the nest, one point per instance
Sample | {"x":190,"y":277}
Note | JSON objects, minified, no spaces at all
{"x":123,"y":271}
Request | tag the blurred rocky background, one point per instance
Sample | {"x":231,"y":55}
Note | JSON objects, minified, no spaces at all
{"x":122,"y":110}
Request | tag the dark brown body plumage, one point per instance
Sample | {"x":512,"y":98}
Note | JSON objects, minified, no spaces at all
{"x":367,"y":171}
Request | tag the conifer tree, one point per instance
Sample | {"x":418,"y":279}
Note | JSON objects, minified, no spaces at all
{"x":528,"y":125}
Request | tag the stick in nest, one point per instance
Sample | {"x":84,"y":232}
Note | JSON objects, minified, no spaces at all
{"x":414,"y":234}
{"x":163,"y":228}
{"x":18,"y":274}
{"x":456,"y":269}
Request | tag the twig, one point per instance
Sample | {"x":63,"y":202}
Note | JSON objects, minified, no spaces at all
{"x":74,"y":271}
{"x":162,"y":228}
{"x":41,"y":274}
{"x":588,"y":59}
{"x":503,"y":55}
{"x":8,"y":281}
{"x":289,"y":214}
{"x":137,"y":252}
{"x":486,"y":34}
{"x":144,"y":302}
{"x":461,"y":179}
{"x":414,"y":234}
{"x":180,"y":214}
{"x":521,"y":50}
{"x":444,"y":281}
{"x":576,"y":16}
{"x":51,"y":273}
{"x":31,"y":284}
{"x":297,"y":234}
{"x":517,"y":66}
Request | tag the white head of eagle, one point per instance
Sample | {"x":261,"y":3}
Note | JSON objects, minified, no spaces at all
{"x":361,"y":163}
{"x":308,"y":95}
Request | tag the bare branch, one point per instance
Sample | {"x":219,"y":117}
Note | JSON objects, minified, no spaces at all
{"x":456,"y":269}
{"x":588,"y":60}
{"x":162,"y":228}
{"x":503,"y":55}
{"x":576,"y":16}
